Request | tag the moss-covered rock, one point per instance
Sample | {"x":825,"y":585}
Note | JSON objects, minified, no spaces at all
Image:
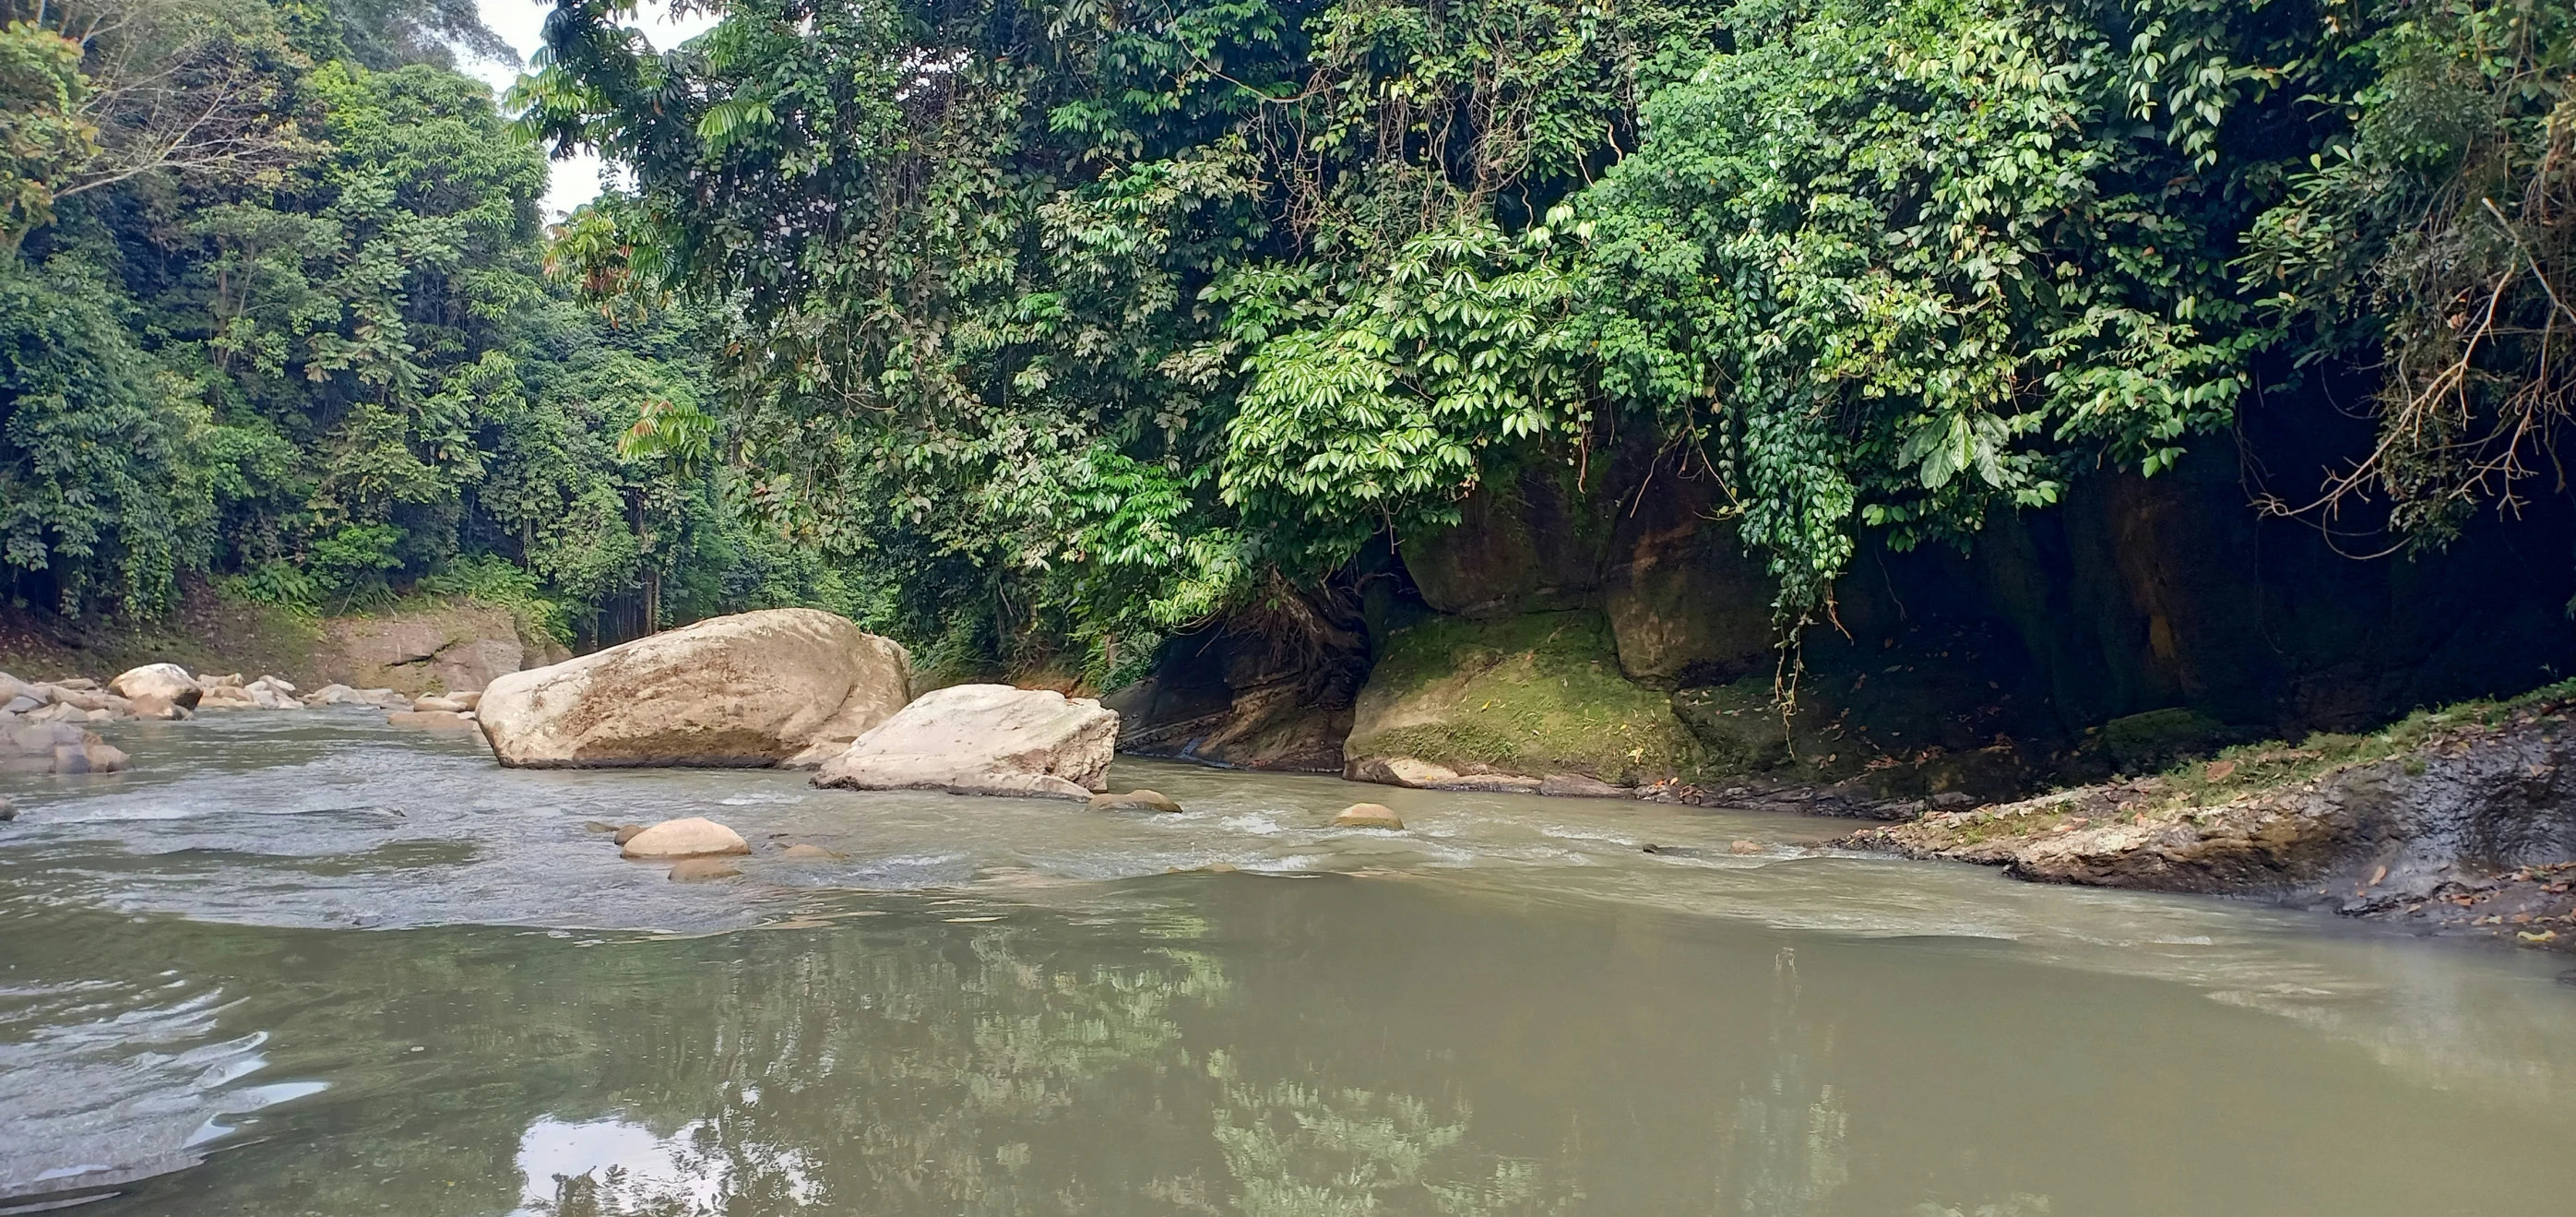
{"x":1531,"y":696}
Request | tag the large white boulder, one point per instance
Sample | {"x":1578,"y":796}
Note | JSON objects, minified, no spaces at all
{"x":984,"y":739}
{"x":157,"y":690}
{"x":777,"y":686}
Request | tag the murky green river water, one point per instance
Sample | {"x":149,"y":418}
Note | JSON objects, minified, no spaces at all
{"x":305,"y":963}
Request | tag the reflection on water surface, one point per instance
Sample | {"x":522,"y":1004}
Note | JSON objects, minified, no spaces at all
{"x":304,"y":964}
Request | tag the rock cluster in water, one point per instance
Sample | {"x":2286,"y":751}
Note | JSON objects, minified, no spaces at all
{"x":62,"y":748}
{"x":797,"y":688}
{"x":44,"y":724}
{"x":698,"y":849}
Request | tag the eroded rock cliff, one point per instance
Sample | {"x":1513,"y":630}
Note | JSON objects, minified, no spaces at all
{"x":2142,"y":620}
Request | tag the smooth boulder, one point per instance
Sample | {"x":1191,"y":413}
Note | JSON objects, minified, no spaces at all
{"x":694,"y":837}
{"x":1368,"y":815}
{"x":984,"y":739}
{"x":82,"y":699}
{"x":1135,"y":800}
{"x":159,"y":683}
{"x":777,"y":686}
{"x":704,"y":870}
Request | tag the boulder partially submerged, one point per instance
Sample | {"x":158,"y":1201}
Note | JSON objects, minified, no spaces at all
{"x":57,"y":748}
{"x":693,"y":837}
{"x":430,"y":647}
{"x":984,"y":739}
{"x":704,"y":870}
{"x":1135,"y":800}
{"x":1368,"y":815}
{"x":773,"y":687}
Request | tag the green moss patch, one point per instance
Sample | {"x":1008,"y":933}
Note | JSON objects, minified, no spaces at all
{"x":1535,"y":694}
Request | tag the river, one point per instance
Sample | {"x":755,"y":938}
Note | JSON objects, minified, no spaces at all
{"x":308,"y":963}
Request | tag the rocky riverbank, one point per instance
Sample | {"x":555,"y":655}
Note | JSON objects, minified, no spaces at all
{"x":46,"y":725}
{"x":2460,"y":821}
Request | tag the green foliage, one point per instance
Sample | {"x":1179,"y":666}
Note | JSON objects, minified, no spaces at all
{"x":279,"y":584}
{"x":1035,"y":335}
{"x":345,"y":373}
{"x":1092,"y":321}
{"x":95,"y":493}
{"x":43,"y":132}
{"x":1374,"y":411}
{"x":2436,"y":238}
{"x":1898,"y":264}
{"x":355,"y":559}
{"x":1078,"y":323}
{"x":499,"y":582}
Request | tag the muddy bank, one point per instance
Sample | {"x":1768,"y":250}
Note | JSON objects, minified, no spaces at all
{"x":418,"y":646}
{"x":2457,"y":822}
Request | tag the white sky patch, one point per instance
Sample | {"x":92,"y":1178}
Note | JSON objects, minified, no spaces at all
{"x":634,"y":1171}
{"x":521,"y":23}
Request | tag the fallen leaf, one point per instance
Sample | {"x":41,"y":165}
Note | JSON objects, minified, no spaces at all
{"x":2219,"y":771}
{"x":2376,"y":876}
